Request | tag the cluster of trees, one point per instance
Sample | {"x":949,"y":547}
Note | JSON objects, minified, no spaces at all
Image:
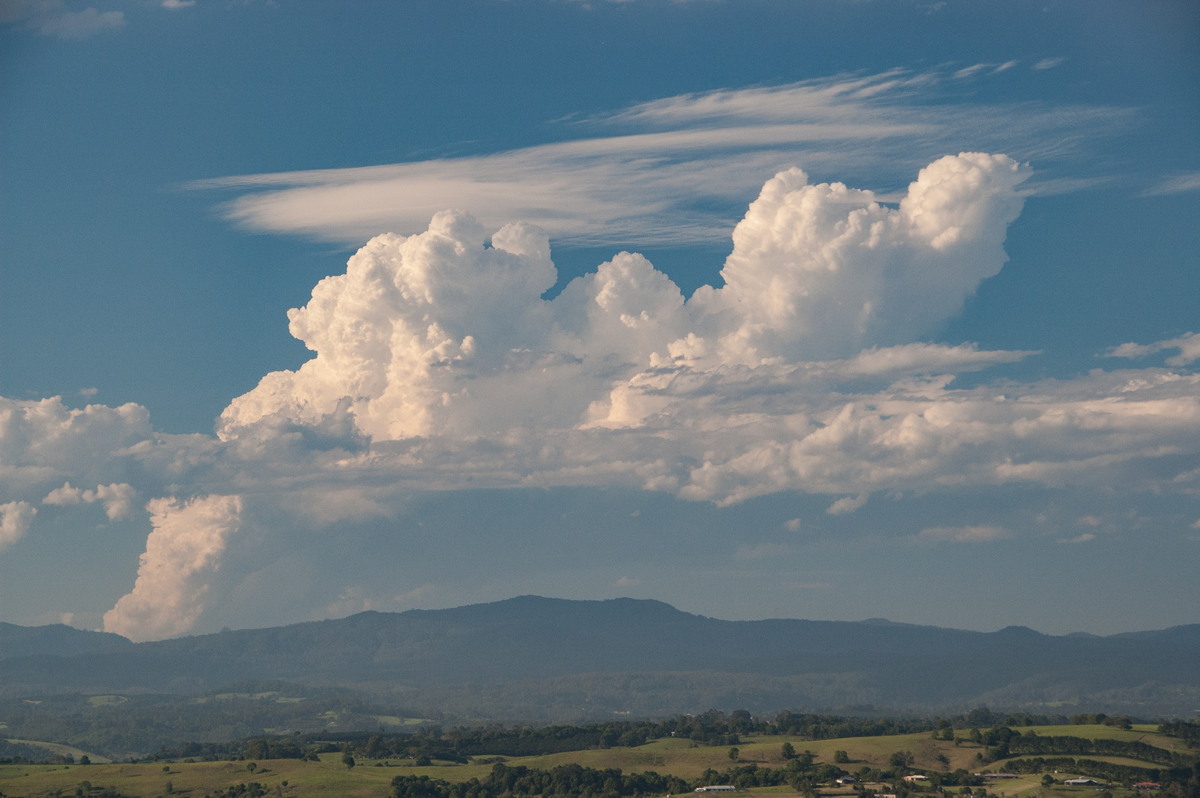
{"x":712,"y":728}
{"x":1021,"y":744}
{"x":139,"y":724}
{"x":1099,"y":718}
{"x":801,"y":774}
{"x":1188,"y":732}
{"x":458,"y":744}
{"x":251,"y":790}
{"x":19,"y":753}
{"x":583,"y":782}
{"x":520,"y":782}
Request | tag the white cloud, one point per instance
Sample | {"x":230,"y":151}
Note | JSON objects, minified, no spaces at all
{"x":15,"y":519}
{"x":1187,"y":344}
{"x":667,"y":164}
{"x":177,"y":4}
{"x":51,"y":18}
{"x":438,"y":366}
{"x":437,"y":334}
{"x":117,"y":499}
{"x":1086,"y":537}
{"x":81,"y":24}
{"x":1049,"y":63}
{"x":444,"y":347}
{"x":847,"y":504}
{"x":183,"y":552}
{"x":44,"y":442}
{"x":964,"y":534}
{"x":1178,"y":184}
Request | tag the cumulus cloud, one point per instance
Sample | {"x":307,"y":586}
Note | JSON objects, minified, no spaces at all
{"x":847,"y":504}
{"x":15,"y":519}
{"x":438,"y":334}
{"x":116,"y":499}
{"x":183,"y":552}
{"x":45,"y":442}
{"x":437,"y":357}
{"x":439,"y":365}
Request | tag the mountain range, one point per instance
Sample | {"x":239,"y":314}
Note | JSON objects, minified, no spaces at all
{"x":533,"y":658}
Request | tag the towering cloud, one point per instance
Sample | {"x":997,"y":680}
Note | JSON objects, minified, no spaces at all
{"x":439,"y":366}
{"x":15,"y":518}
{"x":438,"y":334}
{"x":174,"y":578}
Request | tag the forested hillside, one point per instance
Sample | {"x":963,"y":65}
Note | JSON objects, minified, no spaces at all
{"x":543,"y":661}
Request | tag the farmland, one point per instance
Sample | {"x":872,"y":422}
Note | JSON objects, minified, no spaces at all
{"x":807,"y":766}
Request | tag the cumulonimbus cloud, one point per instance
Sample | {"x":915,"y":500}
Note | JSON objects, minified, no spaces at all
{"x":438,"y":365}
{"x":438,"y":334}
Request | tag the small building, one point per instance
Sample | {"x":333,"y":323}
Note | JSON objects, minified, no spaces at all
{"x":1082,"y":781}
{"x":846,"y":780}
{"x":717,"y":788}
{"x":916,"y":777}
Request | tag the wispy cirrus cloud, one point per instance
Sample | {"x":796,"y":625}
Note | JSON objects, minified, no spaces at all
{"x":1176,"y":184}
{"x":676,"y":170}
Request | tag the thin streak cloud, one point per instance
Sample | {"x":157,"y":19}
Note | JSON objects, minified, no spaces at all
{"x":673,"y":171}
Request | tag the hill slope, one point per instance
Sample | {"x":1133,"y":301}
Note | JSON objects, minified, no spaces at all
{"x":623,"y":653}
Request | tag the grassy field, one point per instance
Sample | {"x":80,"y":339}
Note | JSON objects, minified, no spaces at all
{"x":329,"y":777}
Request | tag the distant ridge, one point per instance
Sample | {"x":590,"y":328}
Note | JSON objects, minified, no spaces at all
{"x":514,"y":658}
{"x":55,"y":640}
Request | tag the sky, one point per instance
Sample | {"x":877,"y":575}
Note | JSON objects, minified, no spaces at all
{"x":825,"y":309}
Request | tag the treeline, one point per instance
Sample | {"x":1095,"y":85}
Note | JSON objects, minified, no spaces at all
{"x":145,"y":723}
{"x":11,"y":752}
{"x":1188,"y":732}
{"x":1022,"y":744}
{"x":252,"y":790}
{"x":578,"y":781}
{"x":712,"y":728}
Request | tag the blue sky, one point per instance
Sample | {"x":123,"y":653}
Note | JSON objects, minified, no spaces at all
{"x":763,"y":308}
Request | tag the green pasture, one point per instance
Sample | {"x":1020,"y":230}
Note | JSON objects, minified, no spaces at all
{"x":681,"y":757}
